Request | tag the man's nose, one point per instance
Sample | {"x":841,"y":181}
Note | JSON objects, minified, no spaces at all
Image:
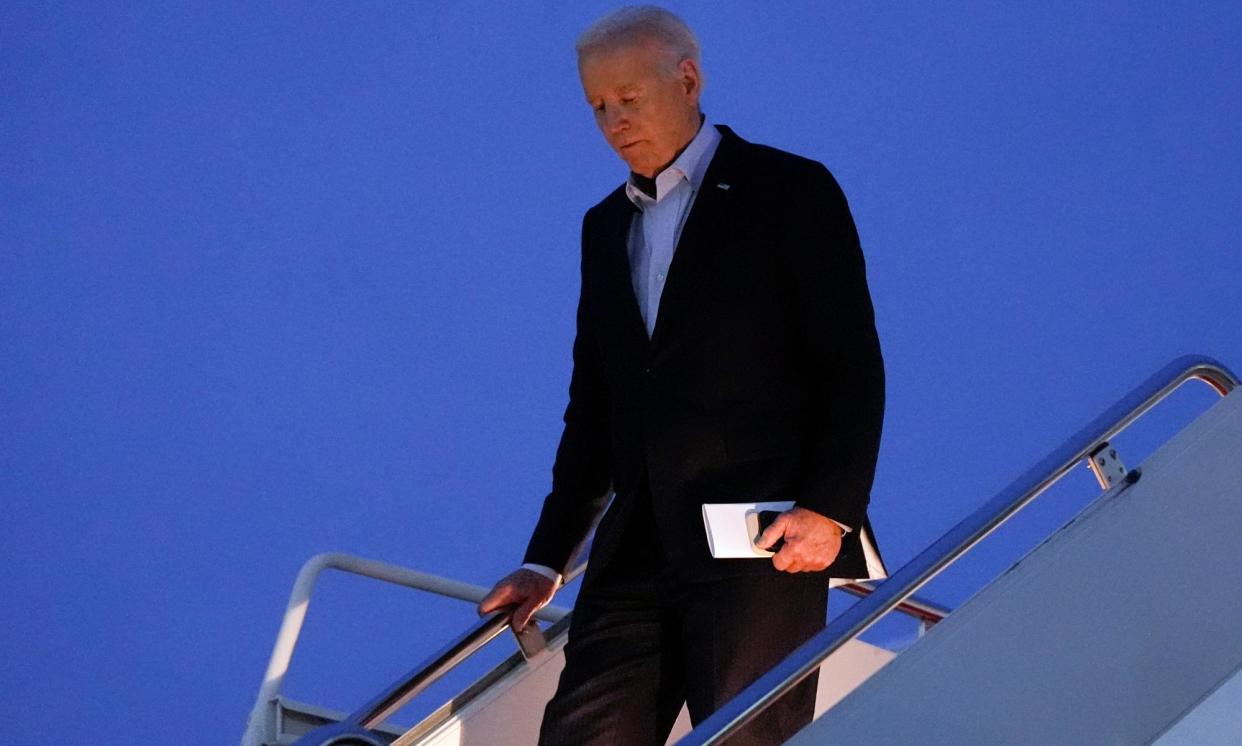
{"x":614,"y":119}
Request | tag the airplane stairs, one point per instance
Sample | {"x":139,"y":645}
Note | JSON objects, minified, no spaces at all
{"x":1124,"y":626}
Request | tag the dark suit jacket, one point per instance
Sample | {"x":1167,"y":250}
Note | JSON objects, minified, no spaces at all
{"x":763,"y":379}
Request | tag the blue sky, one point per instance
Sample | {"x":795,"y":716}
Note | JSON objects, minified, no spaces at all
{"x":284,"y":278}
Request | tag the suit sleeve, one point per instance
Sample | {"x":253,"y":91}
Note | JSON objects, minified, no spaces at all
{"x":582,"y":472}
{"x":840,"y":347}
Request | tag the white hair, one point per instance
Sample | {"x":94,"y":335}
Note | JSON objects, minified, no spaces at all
{"x":635,"y":23}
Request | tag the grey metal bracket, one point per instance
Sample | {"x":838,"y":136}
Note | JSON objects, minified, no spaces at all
{"x":1106,"y":465}
{"x":531,"y":640}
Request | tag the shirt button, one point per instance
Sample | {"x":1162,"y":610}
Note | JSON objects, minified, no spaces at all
{"x":660,"y":277}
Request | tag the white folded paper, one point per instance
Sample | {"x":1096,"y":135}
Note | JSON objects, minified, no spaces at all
{"x":733,"y":527}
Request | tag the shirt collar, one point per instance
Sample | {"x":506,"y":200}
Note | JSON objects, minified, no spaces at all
{"x":691,"y":166}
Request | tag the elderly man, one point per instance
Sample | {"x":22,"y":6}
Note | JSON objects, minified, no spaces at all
{"x":725,"y":352}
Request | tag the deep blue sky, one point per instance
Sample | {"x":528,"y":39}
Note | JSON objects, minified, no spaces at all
{"x":277,"y":279}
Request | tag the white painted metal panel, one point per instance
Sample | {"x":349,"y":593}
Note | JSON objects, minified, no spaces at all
{"x":1215,"y":721}
{"x":510,"y":710}
{"x":1104,"y":634}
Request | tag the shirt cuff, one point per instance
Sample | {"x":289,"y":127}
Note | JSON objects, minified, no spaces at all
{"x":844,"y":528}
{"x":545,"y":571}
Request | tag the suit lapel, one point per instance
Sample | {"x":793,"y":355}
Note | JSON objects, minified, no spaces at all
{"x":711,"y":205}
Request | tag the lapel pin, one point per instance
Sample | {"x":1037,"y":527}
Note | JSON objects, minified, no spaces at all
{"x":723,"y":186}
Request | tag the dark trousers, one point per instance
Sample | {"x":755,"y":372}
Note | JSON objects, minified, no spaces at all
{"x":641,"y":644}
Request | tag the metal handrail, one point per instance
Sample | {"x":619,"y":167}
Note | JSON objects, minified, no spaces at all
{"x":354,"y":729}
{"x":958,"y":540}
{"x":299,"y":601}
{"x":425,"y":674}
{"x":926,"y":613}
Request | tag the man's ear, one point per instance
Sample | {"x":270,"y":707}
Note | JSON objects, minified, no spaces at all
{"x":691,"y":78}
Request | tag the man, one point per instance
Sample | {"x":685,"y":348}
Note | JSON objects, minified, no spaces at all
{"x":725,"y":352}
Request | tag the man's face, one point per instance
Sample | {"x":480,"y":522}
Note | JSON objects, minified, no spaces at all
{"x":645,"y":113}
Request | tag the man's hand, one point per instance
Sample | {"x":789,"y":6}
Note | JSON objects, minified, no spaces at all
{"x":812,"y":541}
{"x":526,"y":588}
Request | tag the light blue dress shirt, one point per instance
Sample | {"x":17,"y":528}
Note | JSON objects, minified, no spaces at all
{"x":657,"y":225}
